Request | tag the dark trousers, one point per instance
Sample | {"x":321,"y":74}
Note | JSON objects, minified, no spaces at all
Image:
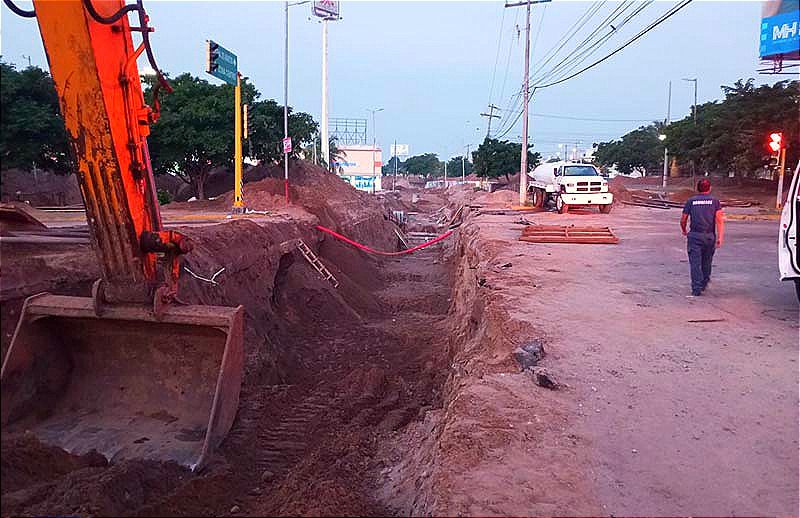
{"x":701,"y":251}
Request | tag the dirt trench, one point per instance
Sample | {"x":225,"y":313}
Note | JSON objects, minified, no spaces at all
{"x":333,"y":376}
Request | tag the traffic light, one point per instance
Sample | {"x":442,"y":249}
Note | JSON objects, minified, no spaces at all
{"x":211,"y":56}
{"x":775,"y":142}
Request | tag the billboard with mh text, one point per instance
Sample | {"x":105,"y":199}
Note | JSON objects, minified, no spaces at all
{"x":780,"y":29}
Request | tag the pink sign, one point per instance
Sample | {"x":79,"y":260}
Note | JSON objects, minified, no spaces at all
{"x":287,"y":145}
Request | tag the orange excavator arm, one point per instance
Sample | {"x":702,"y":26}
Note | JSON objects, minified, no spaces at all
{"x":93,"y":64}
{"x":125,"y":372}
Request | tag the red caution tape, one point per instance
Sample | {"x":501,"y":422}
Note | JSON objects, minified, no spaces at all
{"x":379,"y":252}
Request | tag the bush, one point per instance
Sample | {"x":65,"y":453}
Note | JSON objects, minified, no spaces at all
{"x":164,"y":197}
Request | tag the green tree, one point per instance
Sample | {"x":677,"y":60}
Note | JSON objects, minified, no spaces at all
{"x":454,"y":166}
{"x":390,"y":165}
{"x":32,"y":132}
{"x":495,"y":158}
{"x":727,"y":136}
{"x":425,"y":165}
{"x":639,"y":149}
{"x":195,"y":132}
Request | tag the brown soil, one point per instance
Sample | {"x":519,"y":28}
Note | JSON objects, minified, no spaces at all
{"x":330,"y":374}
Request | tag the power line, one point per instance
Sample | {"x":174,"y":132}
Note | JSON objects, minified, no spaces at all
{"x":497,"y":55}
{"x":583,"y":52}
{"x":644,"y":31}
{"x":507,"y":128}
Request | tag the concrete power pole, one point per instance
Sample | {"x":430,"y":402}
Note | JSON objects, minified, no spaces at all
{"x":326,"y":150}
{"x":523,"y":162}
{"x":523,"y":169}
{"x":665,"y":174}
{"x":694,"y":110}
{"x":490,"y":116}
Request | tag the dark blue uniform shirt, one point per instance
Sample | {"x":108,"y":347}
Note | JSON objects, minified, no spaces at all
{"x":702,"y":210}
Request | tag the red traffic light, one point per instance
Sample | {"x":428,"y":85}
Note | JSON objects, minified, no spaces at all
{"x":775,"y":141}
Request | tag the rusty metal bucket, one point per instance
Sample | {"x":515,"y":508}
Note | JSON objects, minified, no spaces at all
{"x":125,"y":384}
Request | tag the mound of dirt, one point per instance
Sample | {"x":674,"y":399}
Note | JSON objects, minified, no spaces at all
{"x":40,"y":188}
{"x":502,"y":197}
{"x":44,"y":480}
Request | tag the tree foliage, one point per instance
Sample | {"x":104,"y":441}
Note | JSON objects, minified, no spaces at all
{"x":495,"y":158}
{"x":389,"y":167}
{"x":640,"y":149}
{"x":426,"y":165}
{"x":454,"y":166}
{"x":195,"y":132}
{"x":32,"y":130}
{"x":729,"y":135}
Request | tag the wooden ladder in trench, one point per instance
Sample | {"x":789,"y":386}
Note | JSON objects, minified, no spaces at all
{"x":314,"y":261}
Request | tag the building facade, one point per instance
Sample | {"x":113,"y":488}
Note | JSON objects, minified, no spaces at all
{"x":360,"y":165}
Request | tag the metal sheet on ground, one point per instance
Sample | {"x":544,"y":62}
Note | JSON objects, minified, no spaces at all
{"x":564,"y":234}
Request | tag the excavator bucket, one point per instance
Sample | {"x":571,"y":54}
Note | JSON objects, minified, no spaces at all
{"x":126,"y":384}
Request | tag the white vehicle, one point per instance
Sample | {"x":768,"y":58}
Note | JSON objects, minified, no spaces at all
{"x":569,"y":184}
{"x":788,"y":262}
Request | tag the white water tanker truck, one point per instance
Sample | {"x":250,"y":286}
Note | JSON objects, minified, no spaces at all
{"x":569,"y":184}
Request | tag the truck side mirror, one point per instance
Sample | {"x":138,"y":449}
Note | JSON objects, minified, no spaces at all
{"x":556,"y":171}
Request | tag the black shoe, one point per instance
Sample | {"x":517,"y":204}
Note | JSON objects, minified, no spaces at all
{"x":697,"y":293}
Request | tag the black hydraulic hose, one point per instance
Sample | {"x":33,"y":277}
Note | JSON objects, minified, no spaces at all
{"x":19,"y":12}
{"x":110,"y":19}
{"x":139,"y":8}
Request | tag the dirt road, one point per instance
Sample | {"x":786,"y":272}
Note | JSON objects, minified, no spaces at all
{"x":676,"y":416}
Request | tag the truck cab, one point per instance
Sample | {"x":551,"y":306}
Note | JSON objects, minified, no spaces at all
{"x":569,"y":184}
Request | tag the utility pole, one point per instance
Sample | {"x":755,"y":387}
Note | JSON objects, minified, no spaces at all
{"x":445,"y":172}
{"x":523,"y":169}
{"x":394,"y":180}
{"x":491,"y":116}
{"x":694,"y":111}
{"x":666,"y":151}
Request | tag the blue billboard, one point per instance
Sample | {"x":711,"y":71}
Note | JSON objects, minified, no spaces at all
{"x":780,"y":30}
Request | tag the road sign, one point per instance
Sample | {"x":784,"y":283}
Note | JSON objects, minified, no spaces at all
{"x":221,"y":63}
{"x":326,"y":9}
{"x":399,"y":150}
{"x":287,"y":145}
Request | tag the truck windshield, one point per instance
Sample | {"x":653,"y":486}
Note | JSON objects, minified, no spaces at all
{"x":579,"y":170}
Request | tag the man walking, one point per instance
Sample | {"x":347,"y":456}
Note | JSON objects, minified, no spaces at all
{"x":705,"y":233}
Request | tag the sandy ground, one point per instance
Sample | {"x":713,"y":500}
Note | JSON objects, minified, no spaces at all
{"x":674,"y":417}
{"x":397,"y":393}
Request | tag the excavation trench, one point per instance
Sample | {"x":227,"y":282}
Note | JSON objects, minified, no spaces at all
{"x":336,"y":379}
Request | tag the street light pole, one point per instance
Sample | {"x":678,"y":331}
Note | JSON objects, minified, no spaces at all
{"x":666,"y":152}
{"x":326,"y":150}
{"x":286,"y":99}
{"x":374,"y":143}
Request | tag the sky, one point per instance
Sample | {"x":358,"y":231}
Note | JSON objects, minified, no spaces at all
{"x":435,"y":66}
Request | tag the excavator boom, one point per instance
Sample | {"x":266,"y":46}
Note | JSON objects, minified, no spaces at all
{"x":126,"y":372}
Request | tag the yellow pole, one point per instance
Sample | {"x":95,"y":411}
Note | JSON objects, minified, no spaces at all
{"x":238,"y":201}
{"x":782,"y":167}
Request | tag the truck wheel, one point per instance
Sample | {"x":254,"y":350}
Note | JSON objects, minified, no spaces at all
{"x":797,"y":288}
{"x":562,"y":207}
{"x":538,"y":198}
{"x":605,"y":209}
